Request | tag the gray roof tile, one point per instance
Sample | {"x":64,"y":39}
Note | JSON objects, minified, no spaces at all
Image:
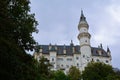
{"x":69,"y":50}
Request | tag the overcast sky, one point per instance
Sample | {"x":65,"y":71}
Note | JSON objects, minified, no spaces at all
{"x":58,"y":23}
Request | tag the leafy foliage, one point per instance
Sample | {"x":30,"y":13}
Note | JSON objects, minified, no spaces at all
{"x":15,"y":65}
{"x":16,"y":24}
{"x":60,"y":75}
{"x":44,"y":68}
{"x":16,"y":28}
{"x":98,"y":71}
{"x":74,"y":73}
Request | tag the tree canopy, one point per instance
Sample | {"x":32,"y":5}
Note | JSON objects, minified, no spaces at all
{"x":16,"y":27}
{"x":17,"y":24}
{"x":60,"y":75}
{"x":74,"y":73}
{"x":99,"y":71}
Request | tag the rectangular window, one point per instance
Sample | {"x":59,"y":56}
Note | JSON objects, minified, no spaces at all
{"x":77,"y":65}
{"x":69,"y":59}
{"x":60,"y":59}
{"x":52,"y":59}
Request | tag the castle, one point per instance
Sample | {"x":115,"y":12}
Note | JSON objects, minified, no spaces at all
{"x":64,"y":56}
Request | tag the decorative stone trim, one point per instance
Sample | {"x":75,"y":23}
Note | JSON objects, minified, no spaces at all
{"x":85,"y":45}
{"x":83,"y":25}
{"x":84,"y":35}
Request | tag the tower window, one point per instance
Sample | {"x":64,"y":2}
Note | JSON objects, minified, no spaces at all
{"x":107,"y":61}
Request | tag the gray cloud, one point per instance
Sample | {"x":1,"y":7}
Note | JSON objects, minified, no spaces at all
{"x":58,"y":22}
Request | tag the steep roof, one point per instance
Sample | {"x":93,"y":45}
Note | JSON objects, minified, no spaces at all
{"x":95,"y":52}
{"x":69,"y":50}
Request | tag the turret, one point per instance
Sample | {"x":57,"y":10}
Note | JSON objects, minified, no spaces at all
{"x":108,"y":52}
{"x":84,"y":39}
{"x":84,"y":36}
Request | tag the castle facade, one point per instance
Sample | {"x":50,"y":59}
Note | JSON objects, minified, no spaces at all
{"x":64,"y":56}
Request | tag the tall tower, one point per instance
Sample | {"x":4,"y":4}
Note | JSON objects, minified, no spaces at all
{"x":84,"y":39}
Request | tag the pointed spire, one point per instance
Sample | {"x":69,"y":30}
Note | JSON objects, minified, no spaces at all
{"x":82,"y":13}
{"x":82,"y":18}
{"x":64,"y":46}
{"x":108,"y":50}
{"x":71,"y":43}
{"x":101,"y":45}
{"x":82,"y":21}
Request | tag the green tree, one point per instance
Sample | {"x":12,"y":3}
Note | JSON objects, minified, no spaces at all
{"x":74,"y":73}
{"x":16,"y":28}
{"x":112,"y":77}
{"x":17,"y":24}
{"x":98,"y":71}
{"x":44,"y":68}
{"x":60,"y":75}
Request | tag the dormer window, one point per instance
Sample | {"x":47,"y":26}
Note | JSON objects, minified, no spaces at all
{"x":96,"y":52}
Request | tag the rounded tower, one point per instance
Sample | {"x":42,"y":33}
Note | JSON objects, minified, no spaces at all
{"x":84,"y":39}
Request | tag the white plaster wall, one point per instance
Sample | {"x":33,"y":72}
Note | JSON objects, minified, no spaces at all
{"x":53,"y":62}
{"x":83,"y":41}
{"x":86,"y":50}
{"x":46,"y":56}
{"x":85,"y":56}
{"x":65,"y":62}
{"x":102,"y":59}
{"x":82,"y":61}
{"x":77,"y":61}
